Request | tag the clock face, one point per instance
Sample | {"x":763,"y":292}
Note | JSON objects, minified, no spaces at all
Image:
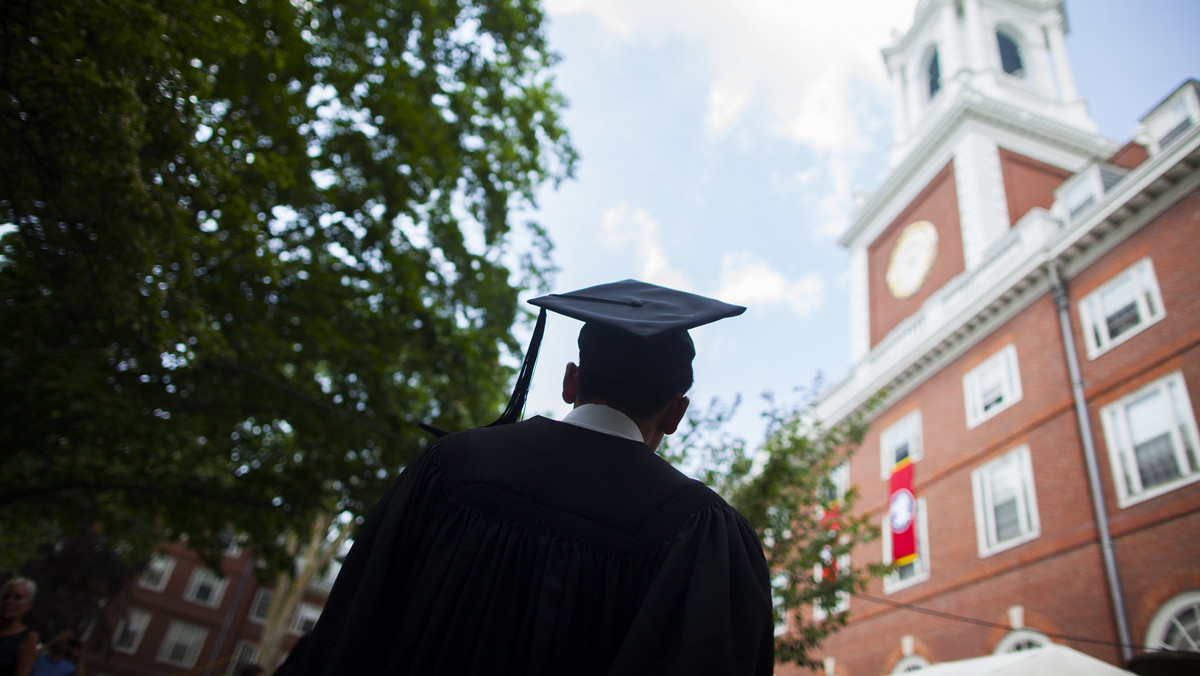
{"x":911,"y":258}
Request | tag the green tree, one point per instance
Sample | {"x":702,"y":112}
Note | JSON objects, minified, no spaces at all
{"x":787,"y":490}
{"x":250,"y":244}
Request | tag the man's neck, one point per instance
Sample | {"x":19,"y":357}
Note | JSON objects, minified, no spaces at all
{"x":603,"y":418}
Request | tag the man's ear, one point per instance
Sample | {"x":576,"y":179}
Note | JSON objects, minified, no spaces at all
{"x":674,"y":414}
{"x":570,"y":391}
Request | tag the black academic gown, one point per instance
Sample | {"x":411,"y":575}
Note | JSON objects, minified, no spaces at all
{"x":545,"y":548}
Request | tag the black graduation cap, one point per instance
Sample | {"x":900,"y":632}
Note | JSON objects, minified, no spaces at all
{"x":632,"y":330}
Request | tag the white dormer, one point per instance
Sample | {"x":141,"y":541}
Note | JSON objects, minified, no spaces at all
{"x":1171,"y":119}
{"x":1085,"y":189}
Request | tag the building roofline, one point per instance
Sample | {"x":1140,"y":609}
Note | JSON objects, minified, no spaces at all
{"x":1144,"y":193}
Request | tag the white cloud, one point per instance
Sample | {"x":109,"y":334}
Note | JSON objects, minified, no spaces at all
{"x":747,"y":280}
{"x":725,"y":104}
{"x":635,"y":229}
{"x":797,"y":61}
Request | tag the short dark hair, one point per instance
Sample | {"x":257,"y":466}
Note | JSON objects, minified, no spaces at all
{"x":637,"y":374}
{"x":640,"y":400}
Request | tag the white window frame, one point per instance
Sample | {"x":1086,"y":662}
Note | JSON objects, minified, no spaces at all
{"x":1022,"y":74}
{"x":819,"y":612}
{"x":892,"y":582}
{"x":779,"y":580}
{"x":261,"y":599}
{"x":1027,"y":511}
{"x":926,"y":82}
{"x":1004,"y":359}
{"x":1172,"y":120}
{"x":306,"y":611}
{"x":1147,"y":299}
{"x":138,"y":619}
{"x":160,"y":564}
{"x":906,"y":429}
{"x":191,"y":636}
{"x":1165,"y":618}
{"x":233,"y":545}
{"x":200,"y":576}
{"x":910,"y":663}
{"x":245,"y":653}
{"x":839,"y":477}
{"x":1184,"y":437}
{"x":1018,"y":640}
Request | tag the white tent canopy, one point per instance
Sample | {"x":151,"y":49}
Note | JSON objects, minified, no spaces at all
{"x":1051,"y":660}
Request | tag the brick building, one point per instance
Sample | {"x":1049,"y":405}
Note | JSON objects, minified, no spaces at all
{"x":181,"y":618}
{"x":1027,"y":294}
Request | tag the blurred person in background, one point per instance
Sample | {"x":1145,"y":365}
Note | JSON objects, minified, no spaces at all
{"x":18,"y":643}
{"x":60,"y":657}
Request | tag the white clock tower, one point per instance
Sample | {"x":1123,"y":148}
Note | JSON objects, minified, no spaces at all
{"x":987,"y":124}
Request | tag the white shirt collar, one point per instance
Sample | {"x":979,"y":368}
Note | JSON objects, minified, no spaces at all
{"x":601,"y":418}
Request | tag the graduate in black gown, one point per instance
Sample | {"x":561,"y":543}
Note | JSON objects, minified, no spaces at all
{"x":560,"y":547}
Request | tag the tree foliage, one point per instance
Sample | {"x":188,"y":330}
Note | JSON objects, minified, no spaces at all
{"x":77,"y":576}
{"x":787,"y":491}
{"x":250,"y":244}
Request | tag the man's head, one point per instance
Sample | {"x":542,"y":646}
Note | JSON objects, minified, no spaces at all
{"x":635,"y":353}
{"x":635,"y":374}
{"x":16,"y":597}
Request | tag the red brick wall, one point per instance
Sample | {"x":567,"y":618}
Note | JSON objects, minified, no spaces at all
{"x":1129,"y":156}
{"x":1028,"y":183}
{"x":170,"y":604}
{"x":1058,"y":578}
{"x":938,"y":203}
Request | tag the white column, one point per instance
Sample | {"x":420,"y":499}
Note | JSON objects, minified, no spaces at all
{"x":1062,"y":66}
{"x":975,"y":38}
{"x":949,"y":44}
{"x":982,"y":207}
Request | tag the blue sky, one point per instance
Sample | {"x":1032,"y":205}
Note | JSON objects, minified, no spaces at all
{"x":722,"y":141}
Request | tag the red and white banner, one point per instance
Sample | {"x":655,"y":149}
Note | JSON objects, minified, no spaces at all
{"x":830,"y":521}
{"x":902,"y":514}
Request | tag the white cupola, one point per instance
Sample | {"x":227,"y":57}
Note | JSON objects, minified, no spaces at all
{"x":1011,"y":52}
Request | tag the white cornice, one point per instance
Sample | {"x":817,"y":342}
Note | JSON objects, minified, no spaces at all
{"x":977,"y":302}
{"x":898,"y":189}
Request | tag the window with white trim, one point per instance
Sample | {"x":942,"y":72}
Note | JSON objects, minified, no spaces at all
{"x":205,"y":588}
{"x":1020,"y":640}
{"x":910,"y":573}
{"x":839,"y":483}
{"x":262,"y":603}
{"x":1176,"y":625}
{"x":910,"y":663}
{"x":245,"y":654}
{"x":1122,"y":308}
{"x":231,"y":543}
{"x":306,"y":618}
{"x":1010,"y":54}
{"x":778,"y":582}
{"x":933,"y":74}
{"x":130,"y":631}
{"x":992,"y":386}
{"x":157,"y":573}
{"x":1173,"y":119}
{"x":899,"y":441}
{"x":819,"y":611}
{"x":1006,"y":512}
{"x":182,"y":644}
{"x":1152,"y":440}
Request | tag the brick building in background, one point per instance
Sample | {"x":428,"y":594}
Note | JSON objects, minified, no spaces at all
{"x":1027,"y":293}
{"x":183,"y":619}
